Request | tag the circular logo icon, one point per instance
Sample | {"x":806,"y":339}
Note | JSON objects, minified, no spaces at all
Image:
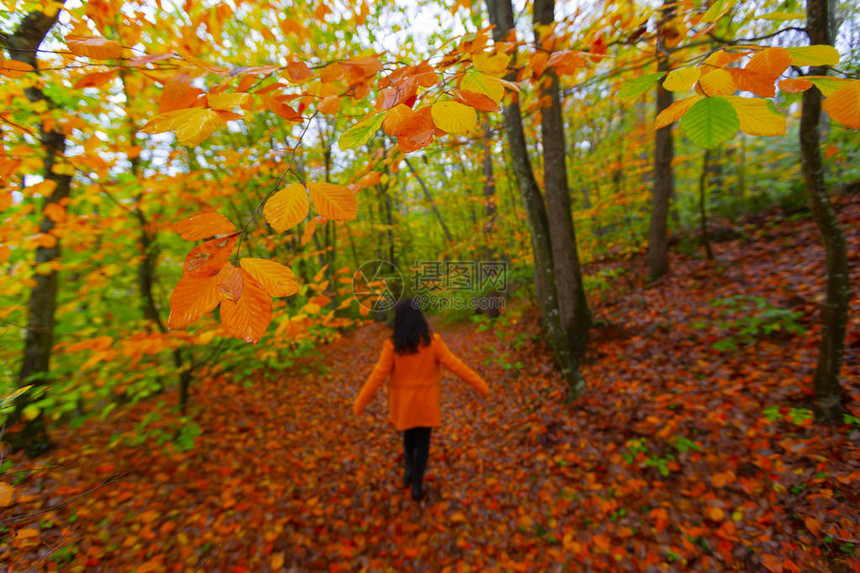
{"x":377,"y":285}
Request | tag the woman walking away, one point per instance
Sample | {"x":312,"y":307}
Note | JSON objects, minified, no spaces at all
{"x":412,"y":357}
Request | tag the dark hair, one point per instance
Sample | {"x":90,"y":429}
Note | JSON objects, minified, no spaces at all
{"x":410,"y":327}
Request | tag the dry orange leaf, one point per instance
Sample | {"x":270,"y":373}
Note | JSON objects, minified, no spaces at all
{"x":204,"y":225}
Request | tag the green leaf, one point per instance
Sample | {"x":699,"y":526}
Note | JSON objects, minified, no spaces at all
{"x":818,"y":55}
{"x":710,"y":122}
{"x":361,"y":132}
{"x":716,"y":11}
{"x":828,"y":86}
{"x":638,"y":86}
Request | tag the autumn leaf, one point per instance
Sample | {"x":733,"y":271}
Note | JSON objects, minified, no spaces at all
{"x":452,"y":117}
{"x":478,"y":101}
{"x":95,"y":79}
{"x":248,"y":317}
{"x":717,"y":83}
{"x":287,"y":208}
{"x":204,"y":225}
{"x":94,"y":47}
{"x":230,"y":283}
{"x":815,"y":55}
{"x":334,"y":202}
{"x":192,"y":126}
{"x":208,"y":258}
{"x":360,"y":133}
{"x":494,"y":65}
{"x":226,"y":101}
{"x":675,"y":111}
{"x":682,"y":80}
{"x":277,"y":279}
{"x":843,"y":105}
{"x":6,"y":493}
{"x":14,"y":69}
{"x":192,"y":298}
{"x":395,"y":118}
{"x":757,"y":116}
{"x":795,"y":85}
{"x":479,"y":82}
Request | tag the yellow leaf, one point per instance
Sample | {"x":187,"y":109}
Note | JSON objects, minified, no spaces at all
{"x":494,"y":65}
{"x":453,"y":117}
{"x":675,"y":111}
{"x":817,"y":55}
{"x":475,"y":81}
{"x":287,"y":208}
{"x":226,"y":101}
{"x":717,"y":82}
{"x":94,"y":47}
{"x":192,"y":126}
{"x":277,"y":279}
{"x":781,"y":16}
{"x":335,"y":202}
{"x":277,"y":561}
{"x":844,"y":105}
{"x":681,"y":80}
{"x":757,"y":116}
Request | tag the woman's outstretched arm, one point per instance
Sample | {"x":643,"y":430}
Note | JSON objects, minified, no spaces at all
{"x":455,"y":365}
{"x":377,"y":377}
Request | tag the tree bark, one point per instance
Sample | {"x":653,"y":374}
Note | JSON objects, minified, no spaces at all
{"x":574,"y":316}
{"x":828,"y":392}
{"x":703,"y":207}
{"x":664,"y":152}
{"x":39,"y":340}
{"x":489,"y":190}
{"x":502,"y":17}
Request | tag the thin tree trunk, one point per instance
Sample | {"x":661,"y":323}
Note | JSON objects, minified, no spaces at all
{"x":489,"y":190}
{"x":429,"y":198}
{"x":502,"y":17}
{"x":664,"y":152}
{"x":22,"y":46}
{"x":573,"y":308}
{"x":828,"y":392}
{"x":703,"y":209}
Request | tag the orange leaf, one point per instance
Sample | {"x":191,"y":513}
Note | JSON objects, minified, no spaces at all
{"x":566,"y":62}
{"x":795,"y":85}
{"x":715,"y":513}
{"x":277,"y":561}
{"x":395,"y":118}
{"x":26,"y":533}
{"x":309,"y":231}
{"x":602,"y":542}
{"x":192,"y":298}
{"x":230,"y":283}
{"x":287,"y":208}
{"x":14,"y":69}
{"x":329,"y":105}
{"x":204,"y":225}
{"x":277,"y":106}
{"x":476,"y":100}
{"x":6,"y":492}
{"x":716,"y":83}
{"x":675,"y":111}
{"x":95,"y":79}
{"x":335,"y":202}
{"x":298,"y":71}
{"x":249,"y":317}
{"x":207,"y":259}
{"x":94,"y":47}
{"x":843,"y":105}
{"x":277,"y":279}
{"x":813,"y":525}
{"x":772,"y":563}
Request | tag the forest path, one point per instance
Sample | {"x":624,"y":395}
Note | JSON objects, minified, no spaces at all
{"x":678,"y":456}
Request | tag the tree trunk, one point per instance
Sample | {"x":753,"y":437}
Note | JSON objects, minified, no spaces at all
{"x":429,"y":198}
{"x":703,"y":208}
{"x":664,"y":152}
{"x":502,"y":17}
{"x":572,"y":306}
{"x":489,"y":190}
{"x":39,"y":341}
{"x":828,"y":392}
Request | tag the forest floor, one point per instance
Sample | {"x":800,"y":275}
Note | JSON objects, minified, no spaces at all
{"x":680,"y":456}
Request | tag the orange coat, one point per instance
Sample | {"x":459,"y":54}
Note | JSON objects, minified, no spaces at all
{"x":413,"y":390}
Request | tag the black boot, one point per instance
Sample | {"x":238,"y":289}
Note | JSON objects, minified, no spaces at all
{"x":408,"y":458}
{"x":417,"y":490}
{"x":407,"y":473}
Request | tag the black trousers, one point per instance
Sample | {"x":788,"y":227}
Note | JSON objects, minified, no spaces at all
{"x":416,"y":447}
